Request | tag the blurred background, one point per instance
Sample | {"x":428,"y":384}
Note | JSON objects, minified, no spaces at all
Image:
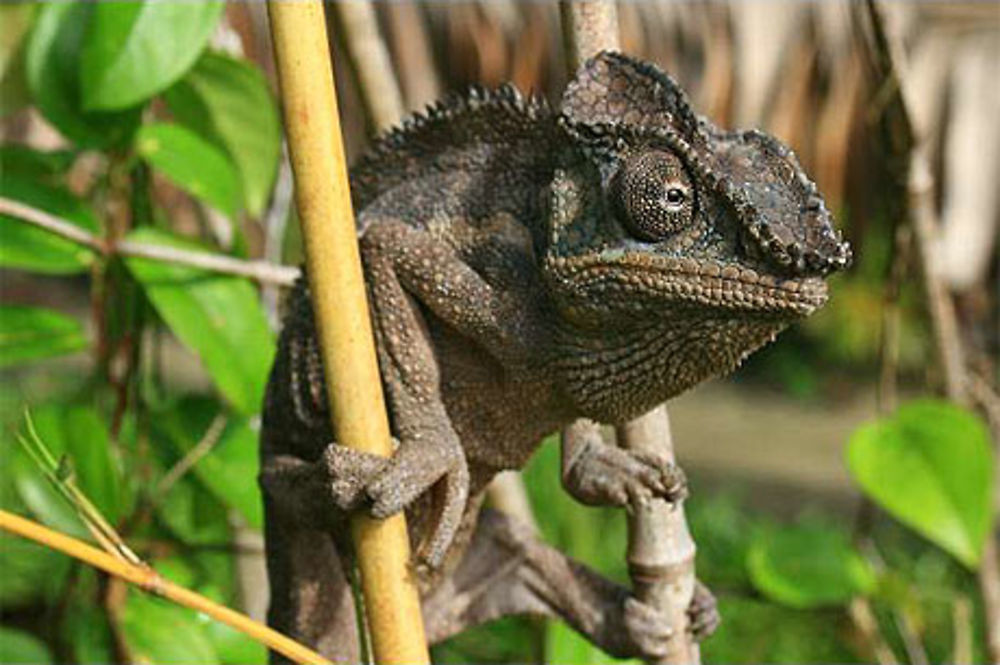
{"x":128,"y":364}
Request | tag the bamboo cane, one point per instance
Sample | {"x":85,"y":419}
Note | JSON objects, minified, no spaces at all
{"x":152,"y":582}
{"x":333,"y":264}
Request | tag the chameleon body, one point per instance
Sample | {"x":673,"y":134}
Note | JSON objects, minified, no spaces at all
{"x":526,"y":268}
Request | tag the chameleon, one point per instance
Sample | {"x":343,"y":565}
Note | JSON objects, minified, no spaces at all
{"x":528,"y":268}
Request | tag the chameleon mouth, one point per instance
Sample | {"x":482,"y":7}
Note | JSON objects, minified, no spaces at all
{"x":706,"y":283}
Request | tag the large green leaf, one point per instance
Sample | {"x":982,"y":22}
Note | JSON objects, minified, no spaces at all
{"x":29,"y":333}
{"x":217,"y":316}
{"x":194,"y":515}
{"x":52,"y":66}
{"x":30,"y":571}
{"x":136,"y":49}
{"x":931,"y":467}
{"x":192,"y":163}
{"x":87,"y":632}
{"x":808,"y":565}
{"x":227,"y":101}
{"x":26,"y":247}
{"x":22,"y":161}
{"x":229,"y":469}
{"x":156,"y":631}
{"x":17,"y":647}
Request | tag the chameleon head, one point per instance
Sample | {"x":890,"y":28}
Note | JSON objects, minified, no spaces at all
{"x":657,"y":217}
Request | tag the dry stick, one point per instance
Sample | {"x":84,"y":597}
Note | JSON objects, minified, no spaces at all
{"x":357,"y":407}
{"x":923,"y":219}
{"x":370,"y":61}
{"x":261,"y":271}
{"x":414,"y":56}
{"x":150,"y":581}
{"x":660,"y":548}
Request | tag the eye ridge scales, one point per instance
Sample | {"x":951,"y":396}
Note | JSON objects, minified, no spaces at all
{"x":528,"y":268}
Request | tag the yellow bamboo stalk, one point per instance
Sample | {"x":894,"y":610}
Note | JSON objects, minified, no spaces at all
{"x":149,"y":580}
{"x":322,"y":194}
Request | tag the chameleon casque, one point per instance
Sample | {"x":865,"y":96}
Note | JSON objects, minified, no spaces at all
{"x":528,"y":267}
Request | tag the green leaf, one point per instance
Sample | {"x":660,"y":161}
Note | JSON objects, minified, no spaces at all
{"x":135,"y":50}
{"x":228,"y":102}
{"x":26,"y":247}
{"x":87,"y":632}
{"x":931,"y":467}
{"x":30,"y":571}
{"x":233,"y":647}
{"x":25,"y":162}
{"x":229,"y":468}
{"x":194,"y":515}
{"x":156,"y":631}
{"x":30,"y":333}
{"x":18,"y":647}
{"x":564,"y":645}
{"x":809,"y":565}
{"x":217,"y":316}
{"x":52,"y":68}
{"x":192,"y":163}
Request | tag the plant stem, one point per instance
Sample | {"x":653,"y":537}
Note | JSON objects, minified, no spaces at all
{"x":260,"y":271}
{"x":150,"y":581}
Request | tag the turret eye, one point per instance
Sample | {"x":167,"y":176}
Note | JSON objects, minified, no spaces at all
{"x":653,"y":195}
{"x":676,"y":196}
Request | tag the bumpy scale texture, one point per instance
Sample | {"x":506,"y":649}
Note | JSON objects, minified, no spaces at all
{"x":527,"y":268}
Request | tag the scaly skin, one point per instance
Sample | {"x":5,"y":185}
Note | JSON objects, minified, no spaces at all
{"x":527,"y":268}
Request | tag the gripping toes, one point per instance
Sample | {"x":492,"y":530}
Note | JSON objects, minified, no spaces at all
{"x":413,"y":470}
{"x":703,"y":613}
{"x":608,"y":475}
{"x":648,"y":629}
{"x":350,"y":473}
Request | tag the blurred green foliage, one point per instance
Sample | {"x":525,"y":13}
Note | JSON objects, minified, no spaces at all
{"x":135,"y":83}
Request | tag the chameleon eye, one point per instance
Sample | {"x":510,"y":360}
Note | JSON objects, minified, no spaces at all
{"x":653,"y":195}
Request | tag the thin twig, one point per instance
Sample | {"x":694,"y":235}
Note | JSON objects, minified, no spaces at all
{"x":863,"y":617}
{"x":186,"y":463}
{"x":260,"y":271}
{"x":371,"y":62}
{"x":150,"y":581}
{"x":961,"y":621}
{"x":275,"y":224}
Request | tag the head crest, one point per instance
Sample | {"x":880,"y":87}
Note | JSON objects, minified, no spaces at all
{"x":614,"y":89}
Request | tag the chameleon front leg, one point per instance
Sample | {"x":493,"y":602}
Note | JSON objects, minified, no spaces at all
{"x":405,"y":269}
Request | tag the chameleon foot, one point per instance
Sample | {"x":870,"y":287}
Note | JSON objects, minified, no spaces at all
{"x":703,"y":613}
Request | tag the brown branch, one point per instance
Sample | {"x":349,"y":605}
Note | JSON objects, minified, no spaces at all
{"x":150,"y":581}
{"x":660,"y":548}
{"x":260,"y":271}
{"x":863,"y":617}
{"x":370,"y":61}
